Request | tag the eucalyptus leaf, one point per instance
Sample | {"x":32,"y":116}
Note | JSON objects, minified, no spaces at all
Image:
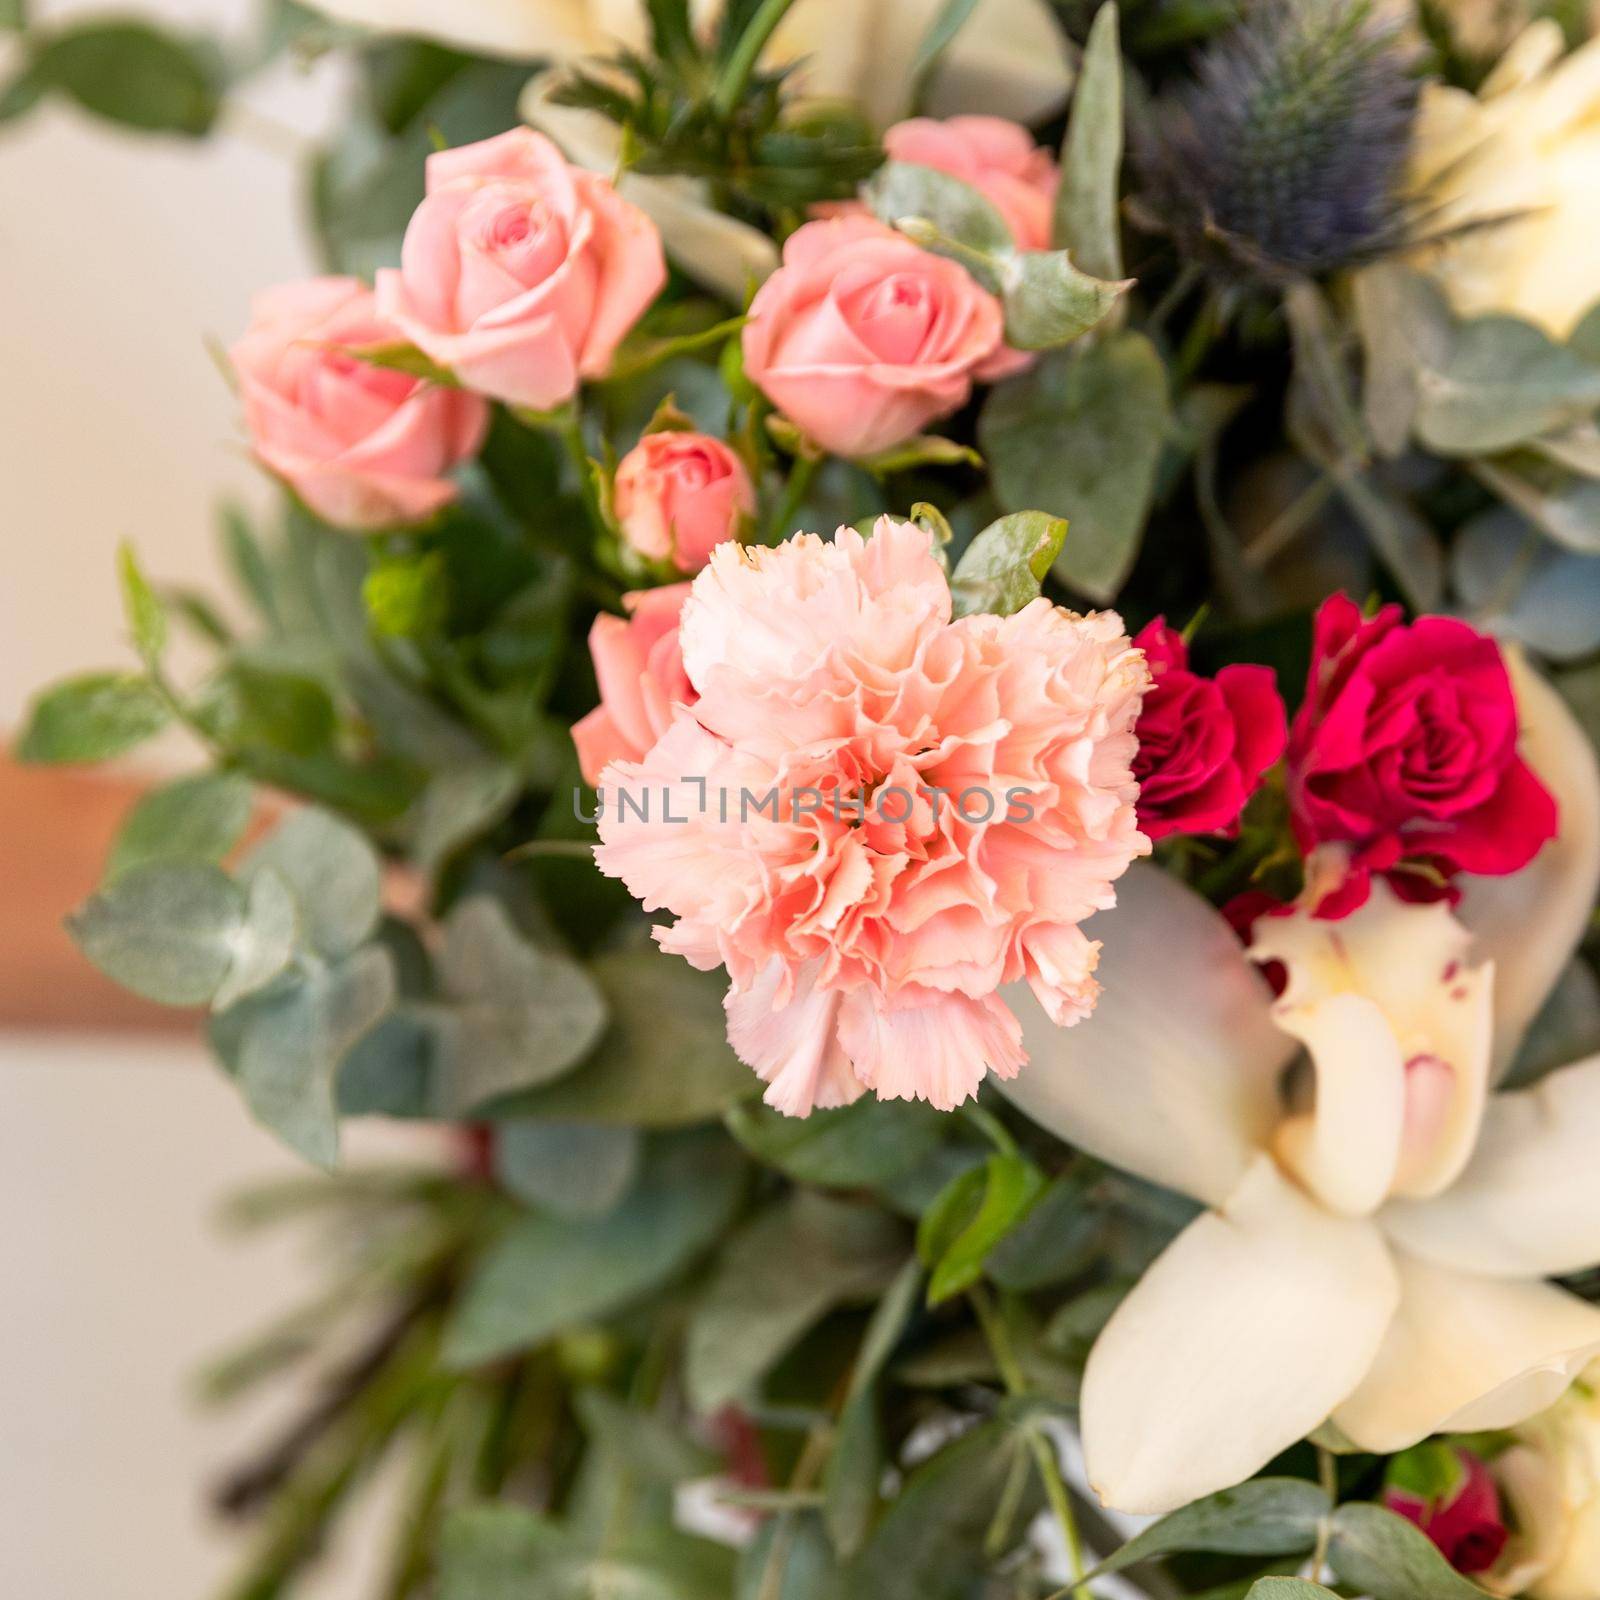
{"x":1080,"y":437}
{"x":1406,"y":327}
{"x":1265,"y":1517}
{"x":332,"y":872}
{"x":1382,"y":1555}
{"x":1584,"y":340}
{"x":1277,"y":1588}
{"x":777,"y":1276}
{"x":521,"y":1015}
{"x":546,"y":1274}
{"x":1516,"y":585}
{"x":1085,"y":219}
{"x":132,"y":73}
{"x":1004,"y":568}
{"x":790,"y":1558}
{"x":1503,"y":382}
{"x":571,"y":1169}
{"x":265,"y":943}
{"x":663,"y":1060}
{"x":929,"y":1544}
{"x":92,"y":718}
{"x":1050,"y":302}
{"x":459,"y":804}
{"x":869,"y":1142}
{"x":293,"y":1038}
{"x":199,"y":818}
{"x":972,"y":228}
{"x":1567,"y":508}
{"x":167,"y":930}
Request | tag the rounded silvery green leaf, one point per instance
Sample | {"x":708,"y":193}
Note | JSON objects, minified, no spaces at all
{"x":1519,"y":586}
{"x":332,"y":872}
{"x":167,"y":930}
{"x":1004,"y":567}
{"x":199,"y":818}
{"x":92,"y":718}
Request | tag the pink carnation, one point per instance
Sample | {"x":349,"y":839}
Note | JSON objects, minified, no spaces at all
{"x":875,"y":817}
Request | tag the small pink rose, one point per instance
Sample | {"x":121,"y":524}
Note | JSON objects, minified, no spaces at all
{"x":862,"y":339}
{"x":679,"y":495}
{"x":640,"y":671}
{"x":363,"y":446}
{"x":997,"y":158}
{"x":1203,"y":742}
{"x":520,"y":272}
{"x":1405,"y":752}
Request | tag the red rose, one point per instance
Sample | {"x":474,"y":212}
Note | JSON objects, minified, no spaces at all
{"x":1406,"y":750}
{"x":1464,"y":1519}
{"x":1203,"y":742}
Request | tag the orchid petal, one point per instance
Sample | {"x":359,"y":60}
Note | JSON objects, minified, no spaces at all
{"x":1251,"y":1326}
{"x":1529,"y":923}
{"x":1528,"y":1205}
{"x":1174,"y":1074}
{"x":1399,"y":1029}
{"x":513,"y":28}
{"x":716,"y":250}
{"x":1466,"y":1353}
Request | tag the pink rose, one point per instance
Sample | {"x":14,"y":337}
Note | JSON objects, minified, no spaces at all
{"x":1203,"y":742}
{"x":1466,"y":1522}
{"x":679,"y":495}
{"x":520,"y":273}
{"x":997,"y":158}
{"x":363,"y":446}
{"x":861,"y":339}
{"x":641,"y":678}
{"x":1405,"y":749}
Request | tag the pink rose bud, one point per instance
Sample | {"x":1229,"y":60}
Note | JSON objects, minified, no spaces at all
{"x":679,"y":495}
{"x":362,"y":445}
{"x":862,"y":339}
{"x":1203,"y":742}
{"x":1449,"y":1493}
{"x":521,"y":273}
{"x":640,"y":670}
{"x":997,"y":158}
{"x":1405,"y":751}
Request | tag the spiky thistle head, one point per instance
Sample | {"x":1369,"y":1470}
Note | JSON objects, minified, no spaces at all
{"x":1286,"y":156}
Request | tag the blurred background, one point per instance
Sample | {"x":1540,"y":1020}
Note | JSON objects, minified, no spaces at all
{"x":121,"y":255}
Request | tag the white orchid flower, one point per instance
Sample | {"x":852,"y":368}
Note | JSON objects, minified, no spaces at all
{"x":1382,"y":1223}
{"x":1011,"y":59}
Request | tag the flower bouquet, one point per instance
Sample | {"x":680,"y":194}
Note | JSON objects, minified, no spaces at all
{"x":958,"y":1090}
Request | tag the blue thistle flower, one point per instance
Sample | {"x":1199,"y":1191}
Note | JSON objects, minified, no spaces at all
{"x":1286,"y":156}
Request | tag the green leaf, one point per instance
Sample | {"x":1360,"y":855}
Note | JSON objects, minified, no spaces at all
{"x":1005,"y":566}
{"x":200,"y":818}
{"x":460,"y":804}
{"x":952,"y":17}
{"x":663,"y":1062}
{"x":1055,"y":1241}
{"x":134,"y":74}
{"x":572,"y":1169}
{"x":92,"y":718}
{"x":1380,"y":1554}
{"x":1276,"y":1588}
{"x":973,"y":1215}
{"x":1265,"y":1517}
{"x":1566,"y":508}
{"x":332,"y":872}
{"x":1091,"y":157}
{"x":547,"y":1274}
{"x":854,"y":1146}
{"x":790,"y":1558}
{"x":292,"y":1040}
{"x":265,"y":945}
{"x":1080,"y":436}
{"x":1406,"y":327}
{"x":495,"y":1552}
{"x":1431,"y":1471}
{"x":968,"y":227}
{"x":147,"y":617}
{"x":780,"y":1274}
{"x":1503,"y":381}
{"x":403,"y":357}
{"x":166,"y":930}
{"x":1049,"y":302}
{"x":930,"y":1543}
{"x":522,"y":1015}
{"x":854,"y":1470}
{"x":13,"y":15}
{"x":248,"y":706}
{"x":1584,"y":340}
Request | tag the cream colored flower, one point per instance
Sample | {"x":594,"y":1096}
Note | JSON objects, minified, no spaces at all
{"x":1518,"y":167}
{"x":1381,"y":1224}
{"x":1011,"y":58}
{"x":1550,"y":1478}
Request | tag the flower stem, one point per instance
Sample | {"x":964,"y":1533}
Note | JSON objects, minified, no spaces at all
{"x":800,"y":476}
{"x":735,"y":75}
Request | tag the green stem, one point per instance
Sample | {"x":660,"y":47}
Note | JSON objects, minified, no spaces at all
{"x":735,"y":75}
{"x":800,"y":476}
{"x":1328,"y":1477}
{"x":998,"y":1338}
{"x":566,"y":424}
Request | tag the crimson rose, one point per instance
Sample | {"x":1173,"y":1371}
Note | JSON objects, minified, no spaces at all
{"x":1203,"y":742}
{"x":1406,"y":750}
